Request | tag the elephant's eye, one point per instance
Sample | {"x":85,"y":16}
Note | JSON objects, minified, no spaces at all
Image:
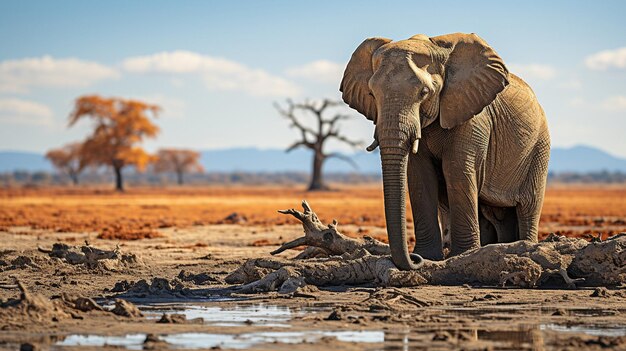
{"x":424,"y":91}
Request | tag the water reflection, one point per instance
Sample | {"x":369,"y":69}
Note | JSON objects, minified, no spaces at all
{"x":495,"y":331}
{"x":530,"y":338}
{"x":267,"y":315}
{"x":232,"y":341}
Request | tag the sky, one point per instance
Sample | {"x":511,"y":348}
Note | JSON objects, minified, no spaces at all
{"x":217,"y":67}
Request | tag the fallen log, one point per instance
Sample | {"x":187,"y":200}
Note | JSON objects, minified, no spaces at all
{"x":558,"y":260}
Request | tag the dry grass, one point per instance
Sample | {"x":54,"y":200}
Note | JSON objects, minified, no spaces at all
{"x":573,"y":210}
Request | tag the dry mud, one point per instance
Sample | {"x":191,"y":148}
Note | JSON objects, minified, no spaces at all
{"x":170,"y":293}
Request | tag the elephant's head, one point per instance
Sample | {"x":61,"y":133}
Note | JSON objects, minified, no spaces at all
{"x":406,"y":85}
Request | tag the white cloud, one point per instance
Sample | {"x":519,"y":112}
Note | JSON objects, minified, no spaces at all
{"x":533,"y":71}
{"x":614,"y":103}
{"x":17,"y":111}
{"x":171,"y":106}
{"x":323,"y":71}
{"x":606,"y":59}
{"x":20,"y":75}
{"x":218,"y":73}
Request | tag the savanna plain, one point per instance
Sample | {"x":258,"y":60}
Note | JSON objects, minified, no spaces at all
{"x":89,"y":267}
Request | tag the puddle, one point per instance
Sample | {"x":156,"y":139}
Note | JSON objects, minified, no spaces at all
{"x":604,"y":330}
{"x":207,"y":340}
{"x":259,"y":314}
{"x":528,"y":338}
{"x":493,"y":330}
{"x":509,"y":311}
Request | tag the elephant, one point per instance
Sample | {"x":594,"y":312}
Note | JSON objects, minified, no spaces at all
{"x":468,"y":138}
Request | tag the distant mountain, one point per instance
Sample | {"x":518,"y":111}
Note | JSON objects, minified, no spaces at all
{"x":583,"y":159}
{"x":276,"y":160}
{"x":575,"y":159}
{"x":23,"y":161}
{"x":580,"y":159}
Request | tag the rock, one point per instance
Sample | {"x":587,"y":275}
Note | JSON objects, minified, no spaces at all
{"x":487,"y":297}
{"x":153,"y":342}
{"x":175,"y":318}
{"x":92,"y":257}
{"x":84,"y":304}
{"x":235,"y":218}
{"x":600,"y":292}
{"x":21,"y":262}
{"x":442,"y":336}
{"x":198,"y":279}
{"x":28,"y":347}
{"x":157,"y":287}
{"x":32,"y":308}
{"x":126,"y":309}
{"x":335,"y":315}
{"x":121,"y":286}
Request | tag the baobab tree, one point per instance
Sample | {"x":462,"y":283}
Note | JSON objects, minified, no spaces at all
{"x":68,"y":159}
{"x":120,"y":126}
{"x":314,"y":139}
{"x":178,"y":161}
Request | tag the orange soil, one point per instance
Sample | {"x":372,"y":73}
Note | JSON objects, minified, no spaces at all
{"x":578,"y":210}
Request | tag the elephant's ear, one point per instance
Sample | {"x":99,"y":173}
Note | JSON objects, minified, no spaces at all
{"x":474,"y":75}
{"x":354,"y":85}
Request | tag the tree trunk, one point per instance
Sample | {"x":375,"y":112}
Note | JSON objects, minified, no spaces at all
{"x":179,"y":177}
{"x":74,"y":177}
{"x":317,"y":181}
{"x":119,"y":183}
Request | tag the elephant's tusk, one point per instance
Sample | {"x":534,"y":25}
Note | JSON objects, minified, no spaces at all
{"x":416,"y":144}
{"x":372,"y":146}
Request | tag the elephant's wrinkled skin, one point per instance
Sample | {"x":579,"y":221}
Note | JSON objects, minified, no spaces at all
{"x":471,"y":137}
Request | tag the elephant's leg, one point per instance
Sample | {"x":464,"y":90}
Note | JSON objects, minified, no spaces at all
{"x":488,"y":231}
{"x":503,"y":221}
{"x":463,"y":202}
{"x":532,"y":193}
{"x":424,"y":194}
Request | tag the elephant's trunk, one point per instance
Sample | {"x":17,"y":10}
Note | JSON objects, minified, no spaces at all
{"x":394,"y":153}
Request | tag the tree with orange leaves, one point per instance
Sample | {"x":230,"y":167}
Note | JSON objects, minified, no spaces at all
{"x":68,"y":159}
{"x":179,"y":161}
{"x":120,"y":125}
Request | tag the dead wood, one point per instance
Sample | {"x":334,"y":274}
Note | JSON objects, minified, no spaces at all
{"x":327,"y":237}
{"x":557,"y":260}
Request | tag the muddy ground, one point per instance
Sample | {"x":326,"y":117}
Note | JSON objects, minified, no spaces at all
{"x":427,"y":317}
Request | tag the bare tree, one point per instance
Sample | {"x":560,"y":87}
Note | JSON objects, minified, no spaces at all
{"x":315,"y":138}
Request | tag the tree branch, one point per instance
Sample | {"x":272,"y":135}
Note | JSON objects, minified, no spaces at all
{"x":343,"y":158}
{"x":342,"y":138}
{"x":327,"y":237}
{"x":297,"y":144}
{"x":338,"y":117}
{"x":289,"y":114}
